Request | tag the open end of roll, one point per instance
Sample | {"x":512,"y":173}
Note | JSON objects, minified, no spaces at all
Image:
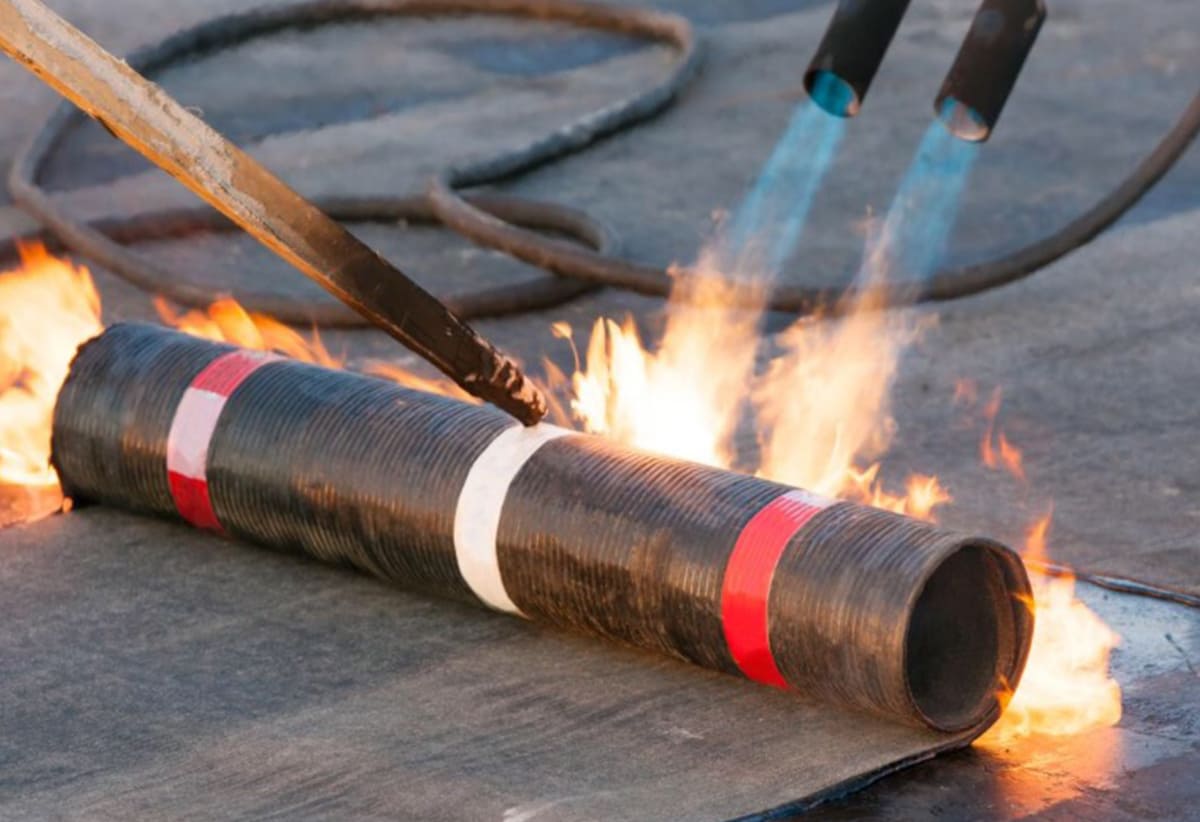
{"x":968,"y":636}
{"x":831,"y":93}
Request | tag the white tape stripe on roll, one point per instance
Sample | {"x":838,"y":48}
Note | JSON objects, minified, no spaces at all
{"x":477,"y":516}
{"x":192,"y":432}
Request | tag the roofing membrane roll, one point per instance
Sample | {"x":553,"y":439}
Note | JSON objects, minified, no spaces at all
{"x":852,"y":605}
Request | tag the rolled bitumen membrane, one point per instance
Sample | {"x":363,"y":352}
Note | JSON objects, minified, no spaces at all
{"x":859,"y":607}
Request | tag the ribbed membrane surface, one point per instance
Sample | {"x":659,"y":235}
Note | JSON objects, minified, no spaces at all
{"x":114,"y":413}
{"x":628,"y":545}
{"x":866,"y":608}
{"x":348,"y":469}
{"x":845,"y":593}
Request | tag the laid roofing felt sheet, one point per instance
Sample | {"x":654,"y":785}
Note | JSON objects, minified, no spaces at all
{"x":154,"y":671}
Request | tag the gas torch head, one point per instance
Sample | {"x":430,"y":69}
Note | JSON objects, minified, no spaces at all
{"x":988,"y":64}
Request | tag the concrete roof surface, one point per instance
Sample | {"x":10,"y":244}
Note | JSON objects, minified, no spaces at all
{"x":1096,"y":357}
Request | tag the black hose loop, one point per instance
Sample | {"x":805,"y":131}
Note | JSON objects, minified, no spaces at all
{"x":105,"y":242}
{"x":508,"y":224}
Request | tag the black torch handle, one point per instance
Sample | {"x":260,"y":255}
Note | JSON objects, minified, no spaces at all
{"x":988,"y":65}
{"x":146,"y":118}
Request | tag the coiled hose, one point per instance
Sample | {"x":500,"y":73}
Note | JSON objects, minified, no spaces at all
{"x":509,"y":224}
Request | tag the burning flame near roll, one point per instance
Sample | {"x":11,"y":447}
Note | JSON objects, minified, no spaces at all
{"x":226,"y":321}
{"x":47,"y":308}
{"x":1066,"y":688}
{"x":823,"y":408}
{"x":683,"y":400}
{"x":828,"y":388}
{"x":995,"y":450}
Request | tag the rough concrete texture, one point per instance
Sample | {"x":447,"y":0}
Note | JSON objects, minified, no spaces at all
{"x":1096,"y":358}
{"x":1095,"y":355}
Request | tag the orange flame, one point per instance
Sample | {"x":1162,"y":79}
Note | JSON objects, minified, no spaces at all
{"x":430,"y":385}
{"x":823,"y":404}
{"x":995,"y":449}
{"x":48,"y":307}
{"x":966,"y":392}
{"x":227,"y":321}
{"x":823,"y":409}
{"x":922,"y":493}
{"x":1066,"y":688}
{"x":683,"y":400}
{"x":1011,"y":457}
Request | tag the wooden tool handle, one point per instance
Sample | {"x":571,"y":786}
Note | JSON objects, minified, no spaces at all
{"x":145,"y":117}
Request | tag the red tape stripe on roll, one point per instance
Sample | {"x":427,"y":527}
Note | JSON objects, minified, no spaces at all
{"x":746,"y":587}
{"x":192,"y":431}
